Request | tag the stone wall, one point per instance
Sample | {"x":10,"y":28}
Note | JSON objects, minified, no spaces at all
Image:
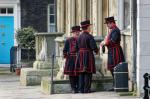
{"x":34,"y":13}
{"x":72,"y":12}
{"x":126,"y":44}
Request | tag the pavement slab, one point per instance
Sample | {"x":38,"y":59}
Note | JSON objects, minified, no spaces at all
{"x":10,"y":88}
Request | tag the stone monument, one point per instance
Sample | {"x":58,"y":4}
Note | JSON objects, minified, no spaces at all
{"x":45,"y":47}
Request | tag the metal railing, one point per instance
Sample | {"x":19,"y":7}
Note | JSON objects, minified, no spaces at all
{"x":53,"y":57}
{"x":146,"y":86}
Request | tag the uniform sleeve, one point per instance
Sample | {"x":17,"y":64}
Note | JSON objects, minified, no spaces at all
{"x":93,"y":45}
{"x":66,"y":49}
{"x":114,"y":36}
{"x":77,"y":45}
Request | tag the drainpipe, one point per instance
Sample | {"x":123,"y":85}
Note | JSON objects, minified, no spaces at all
{"x":133,"y":19}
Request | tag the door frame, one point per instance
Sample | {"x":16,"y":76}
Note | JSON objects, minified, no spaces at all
{"x":15,"y":4}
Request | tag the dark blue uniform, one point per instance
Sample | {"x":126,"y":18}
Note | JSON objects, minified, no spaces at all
{"x":85,"y":64}
{"x":69,"y":52}
{"x":115,"y":53}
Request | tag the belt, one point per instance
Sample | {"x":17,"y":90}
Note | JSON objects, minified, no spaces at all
{"x":72,"y":54}
{"x":85,"y":49}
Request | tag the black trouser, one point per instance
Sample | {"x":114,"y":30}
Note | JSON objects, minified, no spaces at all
{"x":85,"y":82}
{"x":74,"y":83}
{"x":112,"y":73}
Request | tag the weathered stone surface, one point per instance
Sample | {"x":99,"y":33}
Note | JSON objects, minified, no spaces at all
{"x":63,"y":86}
{"x":30,"y":76}
{"x":44,"y":65}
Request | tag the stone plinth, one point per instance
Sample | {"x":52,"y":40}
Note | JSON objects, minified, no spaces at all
{"x":45,"y":47}
{"x":30,"y":76}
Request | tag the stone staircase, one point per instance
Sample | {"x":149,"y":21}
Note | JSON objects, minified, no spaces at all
{"x":63,"y":86}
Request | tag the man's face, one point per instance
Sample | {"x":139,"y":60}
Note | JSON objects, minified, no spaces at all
{"x":76,"y":34}
{"x":109,"y":25}
{"x":89,"y":28}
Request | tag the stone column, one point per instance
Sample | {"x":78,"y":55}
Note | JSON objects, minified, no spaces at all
{"x":105,"y":14}
{"x":113,"y":8}
{"x":97,"y":17}
{"x":120,"y":14}
{"x":60,"y":15}
{"x":71,"y":15}
{"x":45,"y":47}
{"x":94,"y":17}
{"x":81,"y":11}
{"x":100,"y":17}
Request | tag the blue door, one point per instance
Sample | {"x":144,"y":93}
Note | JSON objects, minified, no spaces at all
{"x":6,"y":38}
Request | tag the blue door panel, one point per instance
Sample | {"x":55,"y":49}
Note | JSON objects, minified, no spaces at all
{"x":6,"y":38}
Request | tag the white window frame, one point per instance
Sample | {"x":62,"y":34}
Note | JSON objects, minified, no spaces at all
{"x":48,"y":16}
{"x":7,"y":14}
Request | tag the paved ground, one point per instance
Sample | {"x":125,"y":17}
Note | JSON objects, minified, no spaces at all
{"x":10,"y":88}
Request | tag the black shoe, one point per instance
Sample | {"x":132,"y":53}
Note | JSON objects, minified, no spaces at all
{"x":81,"y":91}
{"x":112,"y":89}
{"x":75,"y":91}
{"x":87,"y":91}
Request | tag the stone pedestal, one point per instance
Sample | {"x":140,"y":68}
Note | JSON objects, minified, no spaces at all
{"x":45,"y":47}
{"x":60,"y":60}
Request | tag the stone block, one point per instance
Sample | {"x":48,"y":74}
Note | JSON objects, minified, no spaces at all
{"x":44,"y":65}
{"x":30,"y":76}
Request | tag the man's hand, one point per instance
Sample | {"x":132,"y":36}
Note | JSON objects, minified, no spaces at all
{"x":102,"y":43}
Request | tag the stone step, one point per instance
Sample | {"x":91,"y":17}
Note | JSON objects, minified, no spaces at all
{"x":63,"y":86}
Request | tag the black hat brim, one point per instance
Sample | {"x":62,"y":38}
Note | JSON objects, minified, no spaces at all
{"x":75,"y":31}
{"x":86,"y":25}
{"x":110,"y":21}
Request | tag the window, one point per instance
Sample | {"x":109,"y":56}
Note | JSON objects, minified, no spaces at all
{"x":6,"y":11}
{"x":10,"y":10}
{"x":52,"y":16}
{"x":3,"y":10}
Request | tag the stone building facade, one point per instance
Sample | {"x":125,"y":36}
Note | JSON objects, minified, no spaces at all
{"x":59,"y":15}
{"x":34,"y":13}
{"x":39,"y":14}
{"x":72,"y":12}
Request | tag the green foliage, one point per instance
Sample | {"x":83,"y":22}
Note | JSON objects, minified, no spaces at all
{"x":25,"y":37}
